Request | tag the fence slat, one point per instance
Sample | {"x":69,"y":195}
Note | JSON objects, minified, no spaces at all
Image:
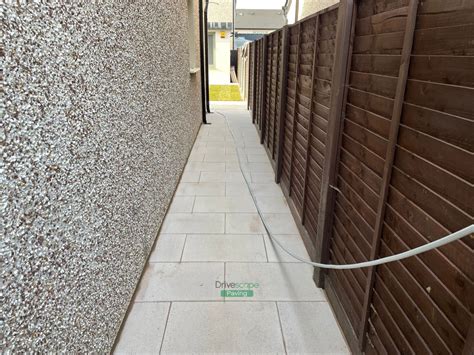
{"x":390,"y":155}
{"x":372,"y":152}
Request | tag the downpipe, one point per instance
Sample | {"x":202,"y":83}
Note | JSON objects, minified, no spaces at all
{"x":204,"y":92}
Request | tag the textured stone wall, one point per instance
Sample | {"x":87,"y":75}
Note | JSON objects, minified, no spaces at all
{"x":99,"y":113}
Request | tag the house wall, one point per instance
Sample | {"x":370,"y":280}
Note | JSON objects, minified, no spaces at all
{"x":222,"y":51}
{"x":309,"y":7}
{"x":220,"y":11}
{"x":100,"y":113}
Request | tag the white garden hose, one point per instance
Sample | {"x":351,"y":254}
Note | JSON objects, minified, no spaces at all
{"x":421,"y":249}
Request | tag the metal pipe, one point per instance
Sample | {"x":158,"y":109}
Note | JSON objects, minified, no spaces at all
{"x":233,"y":24}
{"x":206,"y":51}
{"x":297,"y":7}
{"x":202,"y":63}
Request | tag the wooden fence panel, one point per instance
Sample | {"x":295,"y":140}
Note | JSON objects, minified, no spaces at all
{"x":251,"y":77}
{"x":268,"y":87}
{"x":290,"y":111}
{"x":367,"y":115}
{"x":430,"y":192}
{"x":259,"y":83}
{"x":273,"y":77}
{"x":302,"y":112}
{"x":275,"y":136}
{"x":362,"y":152}
{"x":255,"y":82}
{"x":323,"y":61}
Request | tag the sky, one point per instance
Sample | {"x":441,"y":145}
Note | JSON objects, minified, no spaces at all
{"x":260,"y":4}
{"x":267,"y":4}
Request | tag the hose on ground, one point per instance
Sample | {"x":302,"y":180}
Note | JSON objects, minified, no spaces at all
{"x":412,"y":252}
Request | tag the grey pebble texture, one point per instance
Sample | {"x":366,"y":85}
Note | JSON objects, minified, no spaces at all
{"x":99,"y":113}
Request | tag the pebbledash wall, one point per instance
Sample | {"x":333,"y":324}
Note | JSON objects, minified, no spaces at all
{"x":99,"y":114}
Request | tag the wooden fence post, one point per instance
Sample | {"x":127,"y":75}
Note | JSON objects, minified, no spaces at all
{"x":254,"y":81}
{"x":278,"y":35}
{"x":249,"y":93}
{"x":388,"y":165}
{"x":283,"y":91}
{"x":344,"y":33}
{"x":264,"y":88}
{"x":308,"y":143}
{"x":266,"y":132}
{"x":295,"y":111}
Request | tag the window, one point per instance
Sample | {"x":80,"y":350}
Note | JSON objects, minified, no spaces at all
{"x":210,"y":47}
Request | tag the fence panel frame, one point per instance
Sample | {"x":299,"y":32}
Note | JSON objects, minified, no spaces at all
{"x":283,"y":93}
{"x":263,"y":86}
{"x":344,"y":38}
{"x":308,"y":142}
{"x":389,"y":158}
{"x":295,"y":112}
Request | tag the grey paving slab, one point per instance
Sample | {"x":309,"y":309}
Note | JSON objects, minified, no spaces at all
{"x":200,"y":189}
{"x":178,"y":223}
{"x":218,"y":328}
{"x":168,"y":248}
{"x":244,"y":223}
{"x":292,"y":242}
{"x":310,"y":327}
{"x":143,"y":329}
{"x":224,"y":247}
{"x":180,"y":282}
{"x":224,"y":204}
{"x":277,"y":281}
{"x":181,"y":204}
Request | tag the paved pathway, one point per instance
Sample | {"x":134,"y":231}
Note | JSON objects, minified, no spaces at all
{"x":213,"y":235}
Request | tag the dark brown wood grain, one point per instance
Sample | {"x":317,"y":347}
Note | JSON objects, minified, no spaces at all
{"x":309,"y":140}
{"x":380,"y":64}
{"x":295,"y":113}
{"x":452,"y":40}
{"x":389,"y":158}
{"x":385,"y":22}
{"x":283,"y":96}
{"x":448,"y":288}
{"x":375,"y":157}
{"x":345,"y":30}
{"x":388,"y":334}
{"x":264,"y":88}
{"x":443,"y":69}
